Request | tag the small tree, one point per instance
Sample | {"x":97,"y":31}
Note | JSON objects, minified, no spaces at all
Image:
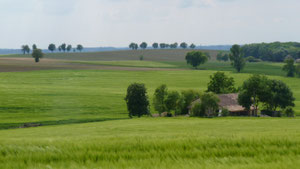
{"x":162,"y":45}
{"x":192,"y":46}
{"x":79,"y":47}
{"x":183,"y":45}
{"x":160,"y":96}
{"x":37,"y":54}
{"x":289,"y":67}
{"x":52,"y":47}
{"x":69,"y":48}
{"x":23,"y":48}
{"x":63,"y":47}
{"x":236,"y":58}
{"x":221,"y":84}
{"x":196,"y":58}
{"x":137,"y":100}
{"x":143,"y":45}
{"x":155,"y":45}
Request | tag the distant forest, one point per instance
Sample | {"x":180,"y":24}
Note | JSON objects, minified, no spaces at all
{"x":275,"y":52}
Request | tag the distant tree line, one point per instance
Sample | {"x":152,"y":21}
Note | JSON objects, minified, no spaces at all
{"x":275,"y":52}
{"x":144,"y":45}
{"x":52,"y":47}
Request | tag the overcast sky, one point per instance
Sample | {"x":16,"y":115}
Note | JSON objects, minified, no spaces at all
{"x":116,"y":23}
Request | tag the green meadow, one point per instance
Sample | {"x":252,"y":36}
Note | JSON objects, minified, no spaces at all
{"x":162,"y":143}
{"x":83,"y":121}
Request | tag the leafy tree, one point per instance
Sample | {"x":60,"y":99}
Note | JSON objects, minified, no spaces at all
{"x":25,"y":49}
{"x":221,"y":84}
{"x":280,"y":96}
{"x":34,"y":46}
{"x":208,"y":106}
{"x":160,"y":96}
{"x":155,"y":45}
{"x":254,"y":91}
{"x":289,"y":67}
{"x":162,"y":45}
{"x":172,"y":101}
{"x":196,"y":58}
{"x":143,"y":45}
{"x":236,"y":58}
{"x":183,"y":45}
{"x":52,"y":47}
{"x":37,"y":54}
{"x":188,"y":97}
{"x":134,"y":46}
{"x":222,"y":57}
{"x":69,"y":48}
{"x":174,"y":45}
{"x":59,"y":49}
{"x":137,"y":100}
{"x":79,"y":47}
{"x":192,"y":46}
{"x":63,"y":47}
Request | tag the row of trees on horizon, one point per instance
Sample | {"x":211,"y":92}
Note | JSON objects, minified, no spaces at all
{"x":144,"y":45}
{"x":52,"y":47}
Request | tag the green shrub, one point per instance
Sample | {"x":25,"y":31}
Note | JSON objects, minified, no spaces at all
{"x":225,"y":112}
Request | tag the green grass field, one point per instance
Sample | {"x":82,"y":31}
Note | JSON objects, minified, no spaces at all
{"x":84,"y":121}
{"x":221,"y":143}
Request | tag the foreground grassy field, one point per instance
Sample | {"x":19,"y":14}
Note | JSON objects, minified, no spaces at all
{"x":222,"y":143}
{"x":77,"y":96}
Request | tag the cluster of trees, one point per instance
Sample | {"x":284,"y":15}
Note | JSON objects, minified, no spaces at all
{"x":144,"y":45}
{"x":275,"y":52}
{"x":271,"y":94}
{"x":63,"y":47}
{"x":196,"y":58}
{"x":256,"y":91}
{"x":52,"y":47}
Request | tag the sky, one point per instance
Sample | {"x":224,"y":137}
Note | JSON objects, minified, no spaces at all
{"x":103,"y":23}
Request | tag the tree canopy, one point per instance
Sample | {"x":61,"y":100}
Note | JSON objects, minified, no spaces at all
{"x":52,"y":47}
{"x":159,"y":99}
{"x":221,"y":84}
{"x":37,"y":54}
{"x":196,"y":58}
{"x":236,"y":58}
{"x":137,"y":100}
{"x":289,"y":67}
{"x":183,"y":45}
{"x":79,"y":47}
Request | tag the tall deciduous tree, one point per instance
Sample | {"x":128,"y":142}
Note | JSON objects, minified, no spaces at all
{"x":196,"y":58}
{"x":79,"y":47}
{"x":52,"y":47}
{"x":63,"y":47}
{"x":159,"y":99}
{"x":236,"y":58}
{"x":289,"y":67}
{"x":25,"y":49}
{"x":155,"y":45}
{"x":133,"y":46}
{"x":192,"y":46}
{"x":69,"y":48}
{"x":137,"y":100}
{"x":221,"y":84}
{"x":254,"y":91}
{"x":280,"y":96}
{"x":143,"y":45}
{"x":37,"y":54}
{"x":172,"y":101}
{"x":183,"y":45}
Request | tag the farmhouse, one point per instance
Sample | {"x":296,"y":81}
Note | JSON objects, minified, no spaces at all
{"x":230,"y":103}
